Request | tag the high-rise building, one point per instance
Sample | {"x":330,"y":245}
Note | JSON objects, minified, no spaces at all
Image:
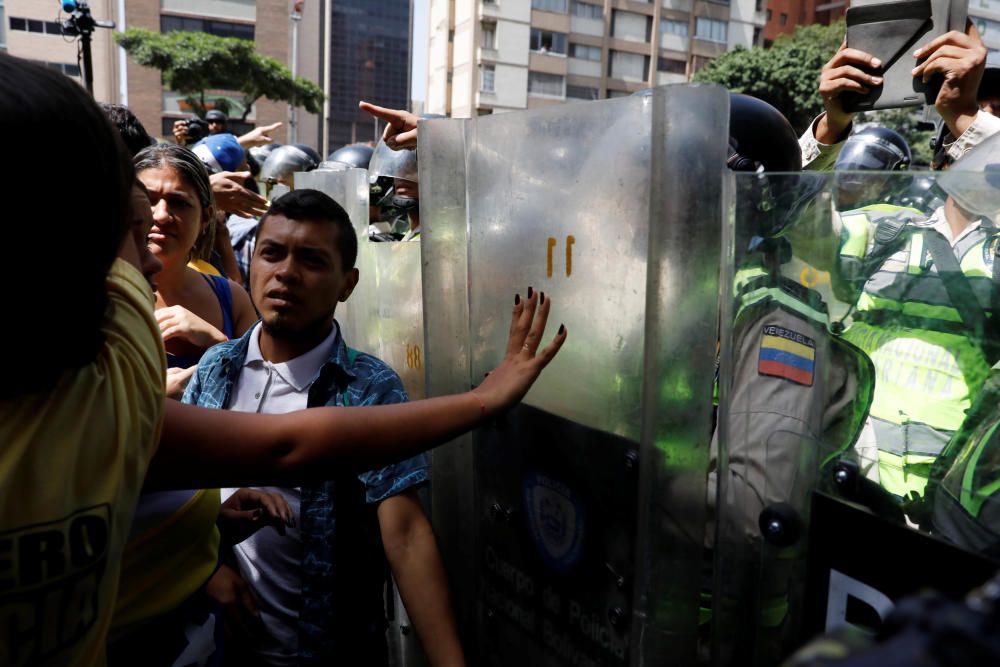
{"x":986,"y":15}
{"x":784,"y":15}
{"x":487,"y":56}
{"x":369,"y":60}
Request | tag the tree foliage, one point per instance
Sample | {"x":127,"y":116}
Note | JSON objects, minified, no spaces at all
{"x":786,"y":75}
{"x":193,"y":62}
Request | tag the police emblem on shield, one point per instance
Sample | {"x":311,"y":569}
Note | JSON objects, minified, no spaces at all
{"x":556,"y":518}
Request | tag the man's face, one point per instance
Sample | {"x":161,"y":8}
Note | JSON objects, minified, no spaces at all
{"x":140,"y":222}
{"x":216,"y":126}
{"x":297,"y":275}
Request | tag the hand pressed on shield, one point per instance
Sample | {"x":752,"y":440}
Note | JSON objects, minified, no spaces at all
{"x":507,"y":384}
{"x":401,"y":126}
{"x":843,"y":73}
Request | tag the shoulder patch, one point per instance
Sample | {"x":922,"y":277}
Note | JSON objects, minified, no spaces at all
{"x":786,"y":354}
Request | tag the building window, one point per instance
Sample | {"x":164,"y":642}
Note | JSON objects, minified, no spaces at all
{"x":630,"y":26}
{"x":540,"y":83}
{"x":581,"y":92}
{"x":711,"y":30}
{"x":672,"y":27}
{"x":544,"y":41}
{"x":584,"y":51}
{"x":32,"y":25}
{"x":670,"y":65}
{"x":69,"y":69}
{"x":759,"y":6}
{"x":217,"y":28}
{"x":769,"y":16}
{"x":756,"y":36}
{"x":551,"y":5}
{"x":489,"y":35}
{"x":3,"y":28}
{"x":628,"y":66}
{"x":783,"y":19}
{"x":586,"y":10}
{"x":487,"y":78}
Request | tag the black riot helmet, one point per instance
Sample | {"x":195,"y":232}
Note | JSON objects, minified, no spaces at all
{"x":760,"y":136}
{"x":353,"y":155}
{"x":874,"y":148}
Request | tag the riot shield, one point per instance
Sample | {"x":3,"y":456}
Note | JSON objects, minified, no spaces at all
{"x":384,"y":315}
{"x":849,"y":361}
{"x":572,"y":528}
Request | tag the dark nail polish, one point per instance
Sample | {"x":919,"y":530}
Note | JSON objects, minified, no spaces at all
{"x":541,"y":299}
{"x":517,"y":299}
{"x":562,"y":329}
{"x":530,"y":292}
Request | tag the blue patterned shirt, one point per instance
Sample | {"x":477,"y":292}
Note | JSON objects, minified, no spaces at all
{"x":344,"y":569}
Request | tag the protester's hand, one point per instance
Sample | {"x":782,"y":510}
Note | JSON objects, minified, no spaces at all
{"x":509,"y":382}
{"x":248,"y":510}
{"x":177,"y":381}
{"x":227,"y":588}
{"x":232,"y":197}
{"x":401,"y":126}
{"x":259,"y":136}
{"x":843,"y":73}
{"x":179,"y":322}
{"x":180,"y":131}
{"x":961,"y":59}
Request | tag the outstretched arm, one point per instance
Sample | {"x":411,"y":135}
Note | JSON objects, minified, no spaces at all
{"x":202,"y":448}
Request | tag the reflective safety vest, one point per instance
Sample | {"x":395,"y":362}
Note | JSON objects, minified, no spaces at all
{"x":965,"y":487}
{"x":928,"y":367}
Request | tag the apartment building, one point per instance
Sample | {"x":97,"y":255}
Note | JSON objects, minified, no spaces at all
{"x":487,"y":56}
{"x":784,"y":15}
{"x":986,"y":15}
{"x":32,"y":29}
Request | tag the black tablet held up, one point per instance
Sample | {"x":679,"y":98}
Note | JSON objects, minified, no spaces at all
{"x":892,"y":31}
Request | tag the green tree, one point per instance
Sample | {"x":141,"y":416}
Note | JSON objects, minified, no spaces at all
{"x":193,"y":62}
{"x":786,"y":75}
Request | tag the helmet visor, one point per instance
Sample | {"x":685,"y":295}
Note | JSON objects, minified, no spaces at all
{"x":873,"y":155}
{"x":401,"y":164}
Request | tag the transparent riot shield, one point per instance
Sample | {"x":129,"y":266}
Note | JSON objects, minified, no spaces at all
{"x":572,"y":528}
{"x":384,"y":315}
{"x":851,"y":353}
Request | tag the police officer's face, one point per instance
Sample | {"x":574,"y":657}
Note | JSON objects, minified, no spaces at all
{"x":297,"y":275}
{"x":216,"y":126}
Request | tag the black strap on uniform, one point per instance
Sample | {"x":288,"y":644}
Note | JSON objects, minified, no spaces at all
{"x":962,"y":297}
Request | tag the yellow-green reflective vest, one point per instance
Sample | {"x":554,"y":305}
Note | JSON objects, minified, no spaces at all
{"x":928,"y":370}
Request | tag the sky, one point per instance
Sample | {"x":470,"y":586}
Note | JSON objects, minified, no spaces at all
{"x":418,"y":82}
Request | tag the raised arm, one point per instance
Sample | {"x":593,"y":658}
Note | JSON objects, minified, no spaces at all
{"x":202,"y":448}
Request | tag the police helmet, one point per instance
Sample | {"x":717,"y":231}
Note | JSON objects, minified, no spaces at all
{"x":260,"y":153}
{"x":974,"y":180}
{"x":353,"y":155}
{"x":874,"y":148}
{"x":760,"y":136}
{"x":215,"y":116}
{"x":286,"y":160}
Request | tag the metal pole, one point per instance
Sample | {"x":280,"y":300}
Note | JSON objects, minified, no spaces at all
{"x":122,"y":60}
{"x":293,"y":112}
{"x":328,"y":26}
{"x":88,"y":69}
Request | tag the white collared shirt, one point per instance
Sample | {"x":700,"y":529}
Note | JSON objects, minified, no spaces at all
{"x":270,"y":563}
